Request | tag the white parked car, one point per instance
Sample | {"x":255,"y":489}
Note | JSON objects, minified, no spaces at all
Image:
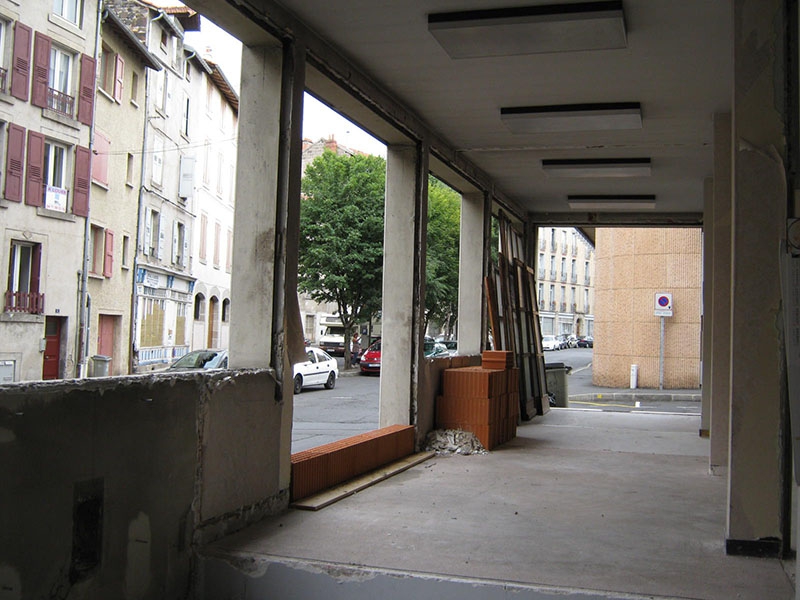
{"x":320,"y":369}
{"x":550,"y":342}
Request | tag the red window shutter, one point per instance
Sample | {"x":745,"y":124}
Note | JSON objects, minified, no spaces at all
{"x":15,"y":160}
{"x":41,"y":69}
{"x":80,"y":188}
{"x":21,"y":61}
{"x":119,"y":78}
{"x":102,"y":147}
{"x":86,"y":91}
{"x":34,"y":172}
{"x":36,"y":268}
{"x":108,"y":263}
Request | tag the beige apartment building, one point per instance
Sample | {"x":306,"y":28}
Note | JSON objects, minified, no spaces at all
{"x":116,"y":173}
{"x":633,"y":266}
{"x":564,"y":278}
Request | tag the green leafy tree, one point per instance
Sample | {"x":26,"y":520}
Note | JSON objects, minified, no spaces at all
{"x":441,"y":287}
{"x":341,"y":235}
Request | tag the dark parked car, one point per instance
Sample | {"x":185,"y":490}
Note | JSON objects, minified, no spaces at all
{"x":586,"y":342}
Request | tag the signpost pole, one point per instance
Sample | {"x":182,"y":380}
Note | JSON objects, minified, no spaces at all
{"x":661,"y":359}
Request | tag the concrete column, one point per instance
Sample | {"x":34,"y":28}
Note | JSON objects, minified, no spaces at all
{"x":756,"y":503}
{"x":288,"y":343}
{"x":265,"y":315}
{"x":253,"y":271}
{"x":471,"y":273}
{"x":708,"y":321}
{"x":719,"y":227}
{"x":405,"y":219}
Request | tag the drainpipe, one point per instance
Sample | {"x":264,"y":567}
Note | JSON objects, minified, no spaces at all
{"x":83,"y":294}
{"x":133,"y":362}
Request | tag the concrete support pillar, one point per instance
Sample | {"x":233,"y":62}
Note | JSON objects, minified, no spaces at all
{"x":708,"y":321}
{"x":253,"y":274}
{"x":266,"y":221}
{"x":719,"y":228}
{"x":405,"y":218}
{"x":756,"y":492}
{"x":472,"y":243}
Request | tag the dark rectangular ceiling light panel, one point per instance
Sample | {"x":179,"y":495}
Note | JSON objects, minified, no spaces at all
{"x":602,"y":116}
{"x":530,"y":29}
{"x":597,"y":167}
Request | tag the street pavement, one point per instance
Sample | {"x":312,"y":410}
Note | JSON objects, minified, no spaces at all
{"x":322,"y":416}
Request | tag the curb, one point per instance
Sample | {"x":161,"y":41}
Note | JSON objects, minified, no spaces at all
{"x":636,"y":397}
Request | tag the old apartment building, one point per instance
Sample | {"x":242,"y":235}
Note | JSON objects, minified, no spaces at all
{"x":47,"y":97}
{"x":565,"y":282}
{"x":116,"y":173}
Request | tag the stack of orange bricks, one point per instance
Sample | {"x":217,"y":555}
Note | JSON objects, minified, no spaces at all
{"x":483,"y":400}
{"x":325,"y":466}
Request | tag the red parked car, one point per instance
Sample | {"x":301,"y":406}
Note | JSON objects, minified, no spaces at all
{"x":371,"y":359}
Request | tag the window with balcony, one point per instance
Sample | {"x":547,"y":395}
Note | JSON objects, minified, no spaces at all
{"x":22,"y":293}
{"x":71,"y":10}
{"x":59,"y":97}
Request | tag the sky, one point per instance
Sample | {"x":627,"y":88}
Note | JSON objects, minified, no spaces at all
{"x":319,"y":121}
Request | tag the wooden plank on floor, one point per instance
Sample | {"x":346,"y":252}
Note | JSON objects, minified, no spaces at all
{"x":328,"y":497}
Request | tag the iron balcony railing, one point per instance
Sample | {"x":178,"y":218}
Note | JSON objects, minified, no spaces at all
{"x":3,"y":79}
{"x":541,"y":273}
{"x":552,"y":274}
{"x":60,"y":102}
{"x":574,"y":278}
{"x":563,"y":276}
{"x":24,"y":302}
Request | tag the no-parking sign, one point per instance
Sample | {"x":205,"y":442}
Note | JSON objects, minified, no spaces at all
{"x":663,"y":304}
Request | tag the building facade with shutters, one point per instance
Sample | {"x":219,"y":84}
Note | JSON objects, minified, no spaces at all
{"x":164,"y":283}
{"x":116,"y":177}
{"x":47,"y":93}
{"x":565,"y":282}
{"x":210,"y":123}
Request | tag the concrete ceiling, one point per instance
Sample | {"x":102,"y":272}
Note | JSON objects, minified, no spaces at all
{"x":677,"y":64}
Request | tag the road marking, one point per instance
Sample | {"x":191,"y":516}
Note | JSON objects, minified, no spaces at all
{"x":600,"y":404}
{"x":578,"y":370}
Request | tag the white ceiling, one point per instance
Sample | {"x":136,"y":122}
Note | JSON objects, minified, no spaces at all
{"x":677,"y":64}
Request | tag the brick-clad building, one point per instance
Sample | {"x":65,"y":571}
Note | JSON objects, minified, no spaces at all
{"x":632,"y":265}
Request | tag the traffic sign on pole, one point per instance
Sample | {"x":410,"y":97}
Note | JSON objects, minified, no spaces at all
{"x":663,"y":304}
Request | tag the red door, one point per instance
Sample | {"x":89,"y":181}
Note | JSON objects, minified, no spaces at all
{"x":52,"y":348}
{"x":105,"y":339}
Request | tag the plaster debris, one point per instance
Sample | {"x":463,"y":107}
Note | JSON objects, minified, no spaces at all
{"x":453,"y":441}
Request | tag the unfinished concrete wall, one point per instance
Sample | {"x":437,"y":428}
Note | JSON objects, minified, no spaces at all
{"x":109,"y":482}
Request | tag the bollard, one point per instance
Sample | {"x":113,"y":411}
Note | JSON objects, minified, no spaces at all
{"x":634,"y":376}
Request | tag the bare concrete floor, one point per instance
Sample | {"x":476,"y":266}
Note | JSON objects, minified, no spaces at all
{"x":579,"y":502}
